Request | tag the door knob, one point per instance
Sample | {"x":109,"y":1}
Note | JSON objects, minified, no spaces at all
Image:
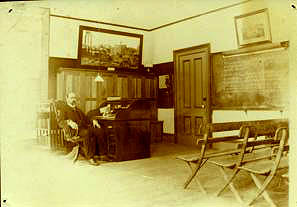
{"x":203,"y":106}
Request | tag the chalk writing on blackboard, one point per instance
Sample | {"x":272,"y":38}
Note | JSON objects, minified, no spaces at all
{"x":251,"y":81}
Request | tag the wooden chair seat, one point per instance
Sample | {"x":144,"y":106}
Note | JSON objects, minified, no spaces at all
{"x":228,"y":161}
{"x":195,"y":157}
{"x":189,"y":157}
{"x":264,"y":167}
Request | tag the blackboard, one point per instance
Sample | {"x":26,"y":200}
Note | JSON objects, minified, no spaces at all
{"x":256,"y":80}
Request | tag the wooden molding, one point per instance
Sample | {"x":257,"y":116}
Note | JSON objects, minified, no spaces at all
{"x":257,"y":48}
{"x":155,"y":28}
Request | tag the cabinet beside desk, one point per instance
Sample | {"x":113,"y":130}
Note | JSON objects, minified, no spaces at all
{"x":127,"y":139}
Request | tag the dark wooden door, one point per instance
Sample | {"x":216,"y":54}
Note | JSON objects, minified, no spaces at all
{"x":192,"y":79}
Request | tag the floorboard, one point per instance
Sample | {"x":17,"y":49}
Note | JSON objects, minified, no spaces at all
{"x":32,"y":175}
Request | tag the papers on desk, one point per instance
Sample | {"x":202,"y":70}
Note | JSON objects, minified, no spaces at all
{"x":113,"y":98}
{"x":103,"y":110}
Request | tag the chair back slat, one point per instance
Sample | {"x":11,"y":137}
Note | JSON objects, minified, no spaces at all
{"x":267,"y":130}
{"x":229,"y":126}
{"x":226,"y":126}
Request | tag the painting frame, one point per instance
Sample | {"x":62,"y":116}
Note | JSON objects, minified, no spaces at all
{"x":253,"y":28}
{"x":104,"y":48}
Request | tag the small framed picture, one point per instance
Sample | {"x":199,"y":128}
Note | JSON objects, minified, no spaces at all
{"x":252,"y":28}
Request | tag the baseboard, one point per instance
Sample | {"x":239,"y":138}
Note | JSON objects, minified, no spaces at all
{"x":169,"y":138}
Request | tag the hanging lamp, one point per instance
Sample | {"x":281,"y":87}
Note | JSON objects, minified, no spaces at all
{"x":99,"y":78}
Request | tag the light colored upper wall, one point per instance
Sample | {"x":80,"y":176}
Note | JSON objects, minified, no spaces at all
{"x":217,"y":28}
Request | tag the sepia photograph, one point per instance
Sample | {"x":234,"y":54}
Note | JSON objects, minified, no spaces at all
{"x":127,"y":103}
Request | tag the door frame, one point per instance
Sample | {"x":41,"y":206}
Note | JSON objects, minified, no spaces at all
{"x":202,"y":47}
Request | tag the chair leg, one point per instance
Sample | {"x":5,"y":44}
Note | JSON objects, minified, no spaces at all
{"x":76,"y":148}
{"x":196,"y":179}
{"x":262,"y":188}
{"x":231,"y":186}
{"x":199,"y":164}
{"x":286,"y":177}
{"x":228,"y":182}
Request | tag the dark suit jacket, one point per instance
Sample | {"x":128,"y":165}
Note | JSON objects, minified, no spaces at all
{"x":74,"y":114}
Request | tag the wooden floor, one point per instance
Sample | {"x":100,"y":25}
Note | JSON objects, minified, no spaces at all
{"x":32,"y":176}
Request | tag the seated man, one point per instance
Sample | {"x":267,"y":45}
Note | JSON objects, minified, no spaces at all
{"x":72,"y":119}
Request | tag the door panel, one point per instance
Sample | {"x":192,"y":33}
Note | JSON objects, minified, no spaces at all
{"x":198,"y":125}
{"x":187,"y":124}
{"x":198,"y":82}
{"x":192,"y":93}
{"x":186,"y":83}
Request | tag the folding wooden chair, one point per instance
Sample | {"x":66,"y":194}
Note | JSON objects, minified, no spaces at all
{"x":196,"y":161}
{"x":231,"y":161}
{"x":266,"y":165}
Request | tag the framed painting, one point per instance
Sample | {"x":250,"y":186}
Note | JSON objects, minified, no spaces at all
{"x":252,"y":28}
{"x":109,"y":48}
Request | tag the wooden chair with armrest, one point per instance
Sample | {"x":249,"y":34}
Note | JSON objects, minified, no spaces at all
{"x":266,"y":164}
{"x":63,"y":138}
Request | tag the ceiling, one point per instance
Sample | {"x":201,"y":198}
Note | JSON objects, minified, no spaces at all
{"x":147,"y":14}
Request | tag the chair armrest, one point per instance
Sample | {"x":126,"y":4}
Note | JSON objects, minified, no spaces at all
{"x":260,"y":142}
{"x":275,"y":149}
{"x":74,"y":139}
{"x":222,"y":153}
{"x":218,"y":139}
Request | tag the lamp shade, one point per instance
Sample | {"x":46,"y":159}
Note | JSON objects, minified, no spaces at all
{"x":99,"y":78}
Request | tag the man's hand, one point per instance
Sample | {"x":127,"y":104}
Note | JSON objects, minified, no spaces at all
{"x":96,"y":124}
{"x":72,"y":124}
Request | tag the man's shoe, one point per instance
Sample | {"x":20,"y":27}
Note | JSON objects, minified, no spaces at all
{"x":93,"y":162}
{"x":104,"y":158}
